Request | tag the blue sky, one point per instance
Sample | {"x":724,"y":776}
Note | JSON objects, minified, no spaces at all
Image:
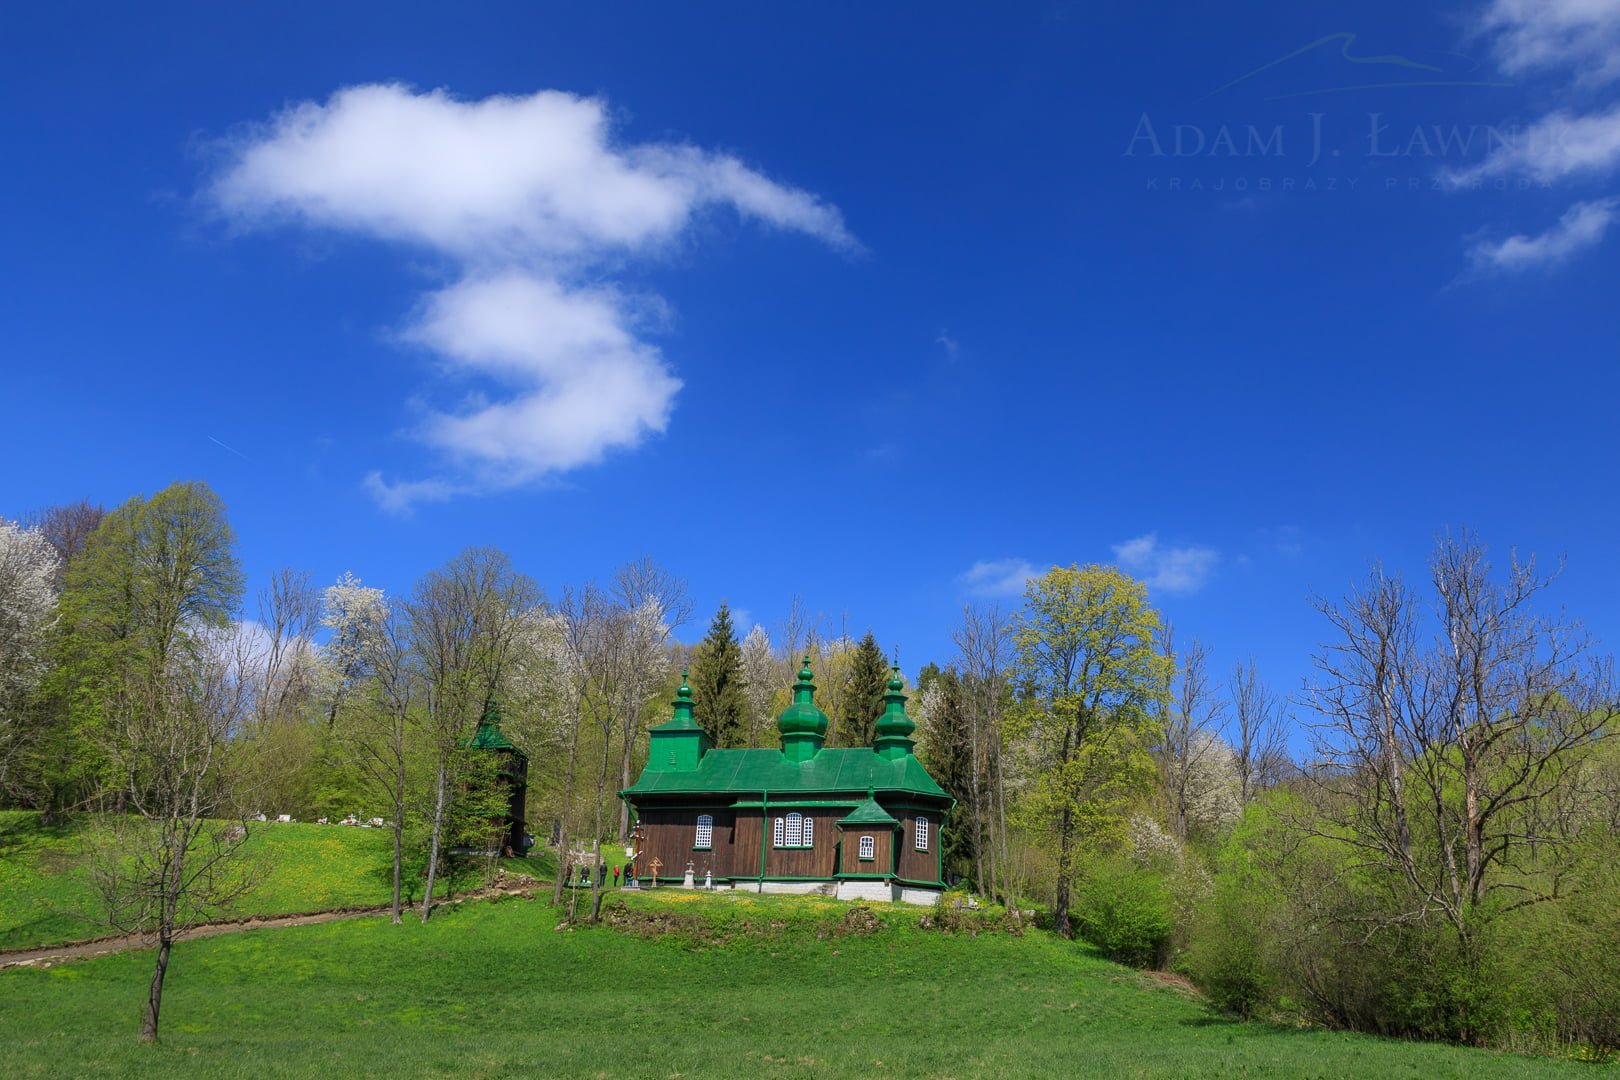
{"x":877,"y":307}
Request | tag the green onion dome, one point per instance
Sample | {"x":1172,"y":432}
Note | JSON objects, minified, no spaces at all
{"x":894,"y":720}
{"x":802,"y":717}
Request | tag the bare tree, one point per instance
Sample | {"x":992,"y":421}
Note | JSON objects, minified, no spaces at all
{"x":1189,"y":756}
{"x":658,"y":604}
{"x":1449,"y":766}
{"x":173,"y":864}
{"x":584,"y":612}
{"x":68,"y":528}
{"x":466,"y":622}
{"x":984,"y":650}
{"x":1258,"y":731}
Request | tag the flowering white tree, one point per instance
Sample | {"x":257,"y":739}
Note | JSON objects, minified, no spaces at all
{"x":28,"y":567}
{"x":355,"y":616}
{"x":762,"y":675}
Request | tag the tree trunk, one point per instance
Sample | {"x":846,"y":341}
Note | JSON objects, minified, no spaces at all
{"x":567,"y":810}
{"x":1060,"y":911}
{"x":154,"y":994}
{"x":596,"y":886}
{"x":433,"y":846}
{"x":399,"y":845}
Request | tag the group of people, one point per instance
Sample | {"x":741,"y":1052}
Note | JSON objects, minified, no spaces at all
{"x":602,"y":875}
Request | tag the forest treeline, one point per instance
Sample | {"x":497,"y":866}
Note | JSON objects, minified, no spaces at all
{"x":1422,"y":841}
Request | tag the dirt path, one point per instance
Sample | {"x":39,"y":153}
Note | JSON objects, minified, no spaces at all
{"x":81,"y":950}
{"x":46,"y":956}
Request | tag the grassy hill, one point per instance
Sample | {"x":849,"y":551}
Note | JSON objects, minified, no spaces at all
{"x":45,"y":898}
{"x":678,"y":984}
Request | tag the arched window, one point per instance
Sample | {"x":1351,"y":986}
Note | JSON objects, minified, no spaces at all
{"x":795,"y":830}
{"x":777,"y":836}
{"x":705,"y":831}
{"x":868,"y":847}
{"x":920,"y":832}
{"x":809,"y":832}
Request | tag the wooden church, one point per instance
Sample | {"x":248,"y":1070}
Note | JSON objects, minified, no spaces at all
{"x":860,"y":822}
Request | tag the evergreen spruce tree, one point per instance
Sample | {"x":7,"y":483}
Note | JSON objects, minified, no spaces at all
{"x":719,"y":691}
{"x":946,"y":749}
{"x":863,"y":704}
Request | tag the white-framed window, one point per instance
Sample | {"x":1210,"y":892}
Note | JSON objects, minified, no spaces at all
{"x":795,"y":830}
{"x":705,"y":831}
{"x":920,"y":834}
{"x":868,"y":847}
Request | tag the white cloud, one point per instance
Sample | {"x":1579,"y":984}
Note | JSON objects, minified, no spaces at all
{"x":1578,"y":42}
{"x":1581,"y":227}
{"x":1537,"y":35}
{"x":998,"y":577}
{"x":1171,"y":569}
{"x":1558,"y":146}
{"x":530,"y":196}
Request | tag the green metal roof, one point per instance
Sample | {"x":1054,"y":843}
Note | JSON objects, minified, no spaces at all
{"x":488,"y":736}
{"x":869,"y":813}
{"x":735,"y":772}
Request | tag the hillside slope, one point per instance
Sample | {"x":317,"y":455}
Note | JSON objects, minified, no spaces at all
{"x":680,"y":985}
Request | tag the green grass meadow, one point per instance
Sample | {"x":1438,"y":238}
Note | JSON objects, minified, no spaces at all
{"x":45,"y":898}
{"x":681,"y":985}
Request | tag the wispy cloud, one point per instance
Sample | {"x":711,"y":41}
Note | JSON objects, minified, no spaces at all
{"x":1560,"y":35}
{"x":1581,"y":227}
{"x":1559,"y":146}
{"x":998,"y":577}
{"x":532,"y":198}
{"x":945,"y":341}
{"x":1162,"y":566}
{"x":1575,"y":43}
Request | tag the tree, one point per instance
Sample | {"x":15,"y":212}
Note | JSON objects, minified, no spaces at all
{"x":172,"y":864}
{"x":466,"y":621}
{"x":982,"y":651}
{"x":1257,"y":733}
{"x":659,"y":603}
{"x":762,"y":675}
{"x":1195,"y":767}
{"x":28,"y":569}
{"x":355,"y":617}
{"x":1451,"y":770}
{"x":868,"y":681}
{"x":153,"y":599}
{"x":376,"y":689}
{"x":719,"y":693}
{"x":1092,"y":685}
{"x":946,"y":746}
{"x":153,"y":571}
{"x":68,"y":527}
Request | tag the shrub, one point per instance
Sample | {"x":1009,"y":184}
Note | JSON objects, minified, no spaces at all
{"x":1127,"y":913}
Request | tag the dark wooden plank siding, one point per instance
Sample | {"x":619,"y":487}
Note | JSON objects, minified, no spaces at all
{"x":668,"y":836}
{"x":819,"y":861}
{"x":918,"y":865}
{"x":882,"y":851}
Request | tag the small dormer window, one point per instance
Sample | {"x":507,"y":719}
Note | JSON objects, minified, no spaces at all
{"x":920,"y":833}
{"x":705,"y":832}
{"x":868,"y":848}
